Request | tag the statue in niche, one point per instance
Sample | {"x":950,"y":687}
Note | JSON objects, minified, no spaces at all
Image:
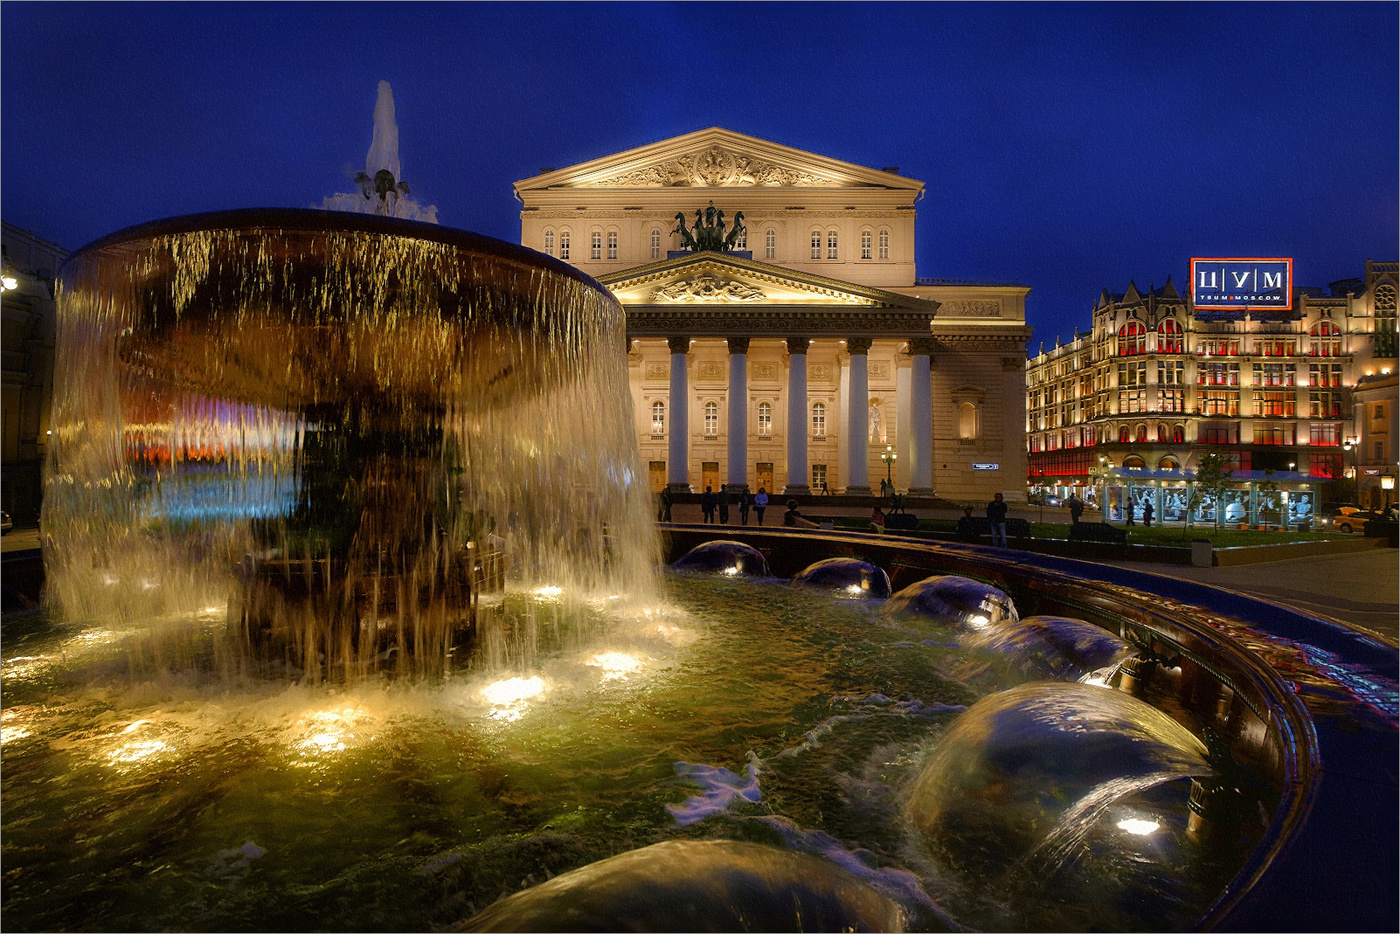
{"x":708,"y":232}
{"x":875,"y":423}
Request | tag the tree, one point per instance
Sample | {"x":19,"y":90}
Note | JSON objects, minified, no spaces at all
{"x":1213,"y":477}
{"x":1268,"y":498}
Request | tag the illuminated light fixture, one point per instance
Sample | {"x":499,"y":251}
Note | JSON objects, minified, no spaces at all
{"x":513,"y":690}
{"x":732,"y":572}
{"x":1139,"y":826}
{"x":978,"y":621}
{"x":548,"y":591}
{"x":1387,"y":481}
{"x":9,"y":276}
{"x":616,"y":665}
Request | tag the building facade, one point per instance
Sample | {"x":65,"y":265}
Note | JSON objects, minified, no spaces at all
{"x":1154,"y":383}
{"x":27,"y":347}
{"x":805,"y":354}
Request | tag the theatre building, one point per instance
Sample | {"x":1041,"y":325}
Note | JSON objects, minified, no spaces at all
{"x":800,"y":352}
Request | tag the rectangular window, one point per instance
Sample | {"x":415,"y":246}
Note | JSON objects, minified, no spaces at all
{"x":1325,"y":466}
{"x":884,"y":244}
{"x":1274,"y":404}
{"x":865,"y":244}
{"x":1218,"y":402}
{"x":564,"y":245}
{"x":818,"y":421}
{"x":1171,"y":400}
{"x":656,"y":244}
{"x":1379,"y":414}
{"x":1273,"y":434}
{"x":1215,"y":433}
{"x":831,"y":245}
{"x":816,"y":244}
{"x":770,"y":244}
{"x":818,"y":477}
{"x":765,"y":419}
{"x":1274,"y":374}
{"x":1325,"y":404}
{"x":1329,"y":436}
{"x":712,"y":421}
{"x":595,"y":248}
{"x":612,"y":244}
{"x":1218,"y":374}
{"x":1324,"y":374}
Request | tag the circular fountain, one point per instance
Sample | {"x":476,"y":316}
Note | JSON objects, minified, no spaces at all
{"x":354,"y":623}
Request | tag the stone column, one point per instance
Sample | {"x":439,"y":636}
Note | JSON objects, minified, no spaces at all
{"x":737,"y":472}
{"x":797,"y":416}
{"x":857,"y":434}
{"x":678,"y":439}
{"x":920,"y":417}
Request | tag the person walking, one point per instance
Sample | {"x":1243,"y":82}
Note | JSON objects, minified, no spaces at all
{"x":1131,"y":506}
{"x":760,"y":503}
{"x":664,"y":513}
{"x":724,"y":504}
{"x":996,"y":515}
{"x":1076,"y":508}
{"x":745,"y":501}
{"x":707,"y":505}
{"x":1147,"y":513}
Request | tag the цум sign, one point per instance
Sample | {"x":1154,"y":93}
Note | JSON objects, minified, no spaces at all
{"x":1242,"y":283}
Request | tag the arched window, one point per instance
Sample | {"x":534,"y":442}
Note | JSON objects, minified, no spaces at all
{"x":1162,"y":432}
{"x":1141,"y":433}
{"x":711,"y":420}
{"x":1178,"y":434}
{"x":967,"y":421}
{"x":563,"y":244}
{"x":765,"y":419}
{"x":866,"y":244}
{"x":884,"y":243}
{"x":1123,"y":435}
{"x":658,"y":419}
{"x":549,"y":242}
{"x":1133,"y":460}
{"x":612,"y":244}
{"x":818,"y":419}
{"x":1132,"y":339}
{"x":831,"y":244}
{"x":1167,"y":463}
{"x":816,"y":244}
{"x":1169,"y":339}
{"x":655,"y":243}
{"x":595,"y":245}
{"x":770,"y":243}
{"x":1325,"y":340}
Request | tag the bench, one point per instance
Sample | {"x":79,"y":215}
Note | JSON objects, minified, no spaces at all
{"x":1098,"y":532}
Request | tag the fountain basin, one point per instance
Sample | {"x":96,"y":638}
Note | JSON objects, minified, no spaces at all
{"x":1309,"y":704}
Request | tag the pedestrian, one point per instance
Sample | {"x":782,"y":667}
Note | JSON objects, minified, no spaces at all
{"x":1131,"y":506}
{"x":724,"y":504}
{"x":877,"y":519}
{"x":664,"y":514}
{"x":707,"y":505}
{"x":760,"y":503}
{"x":884,"y":489}
{"x":996,"y":515}
{"x":795,"y":519}
{"x":745,"y":501}
{"x":1076,"y":508}
{"x":967,"y":526}
{"x":825,"y":491}
{"x":1147,"y":512}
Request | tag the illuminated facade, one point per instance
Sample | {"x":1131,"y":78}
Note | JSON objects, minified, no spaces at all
{"x":1155,"y":382}
{"x":810,"y":348}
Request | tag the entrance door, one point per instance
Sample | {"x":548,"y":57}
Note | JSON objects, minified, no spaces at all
{"x":658,"y":476}
{"x":709,"y":476}
{"x":764,"y":474}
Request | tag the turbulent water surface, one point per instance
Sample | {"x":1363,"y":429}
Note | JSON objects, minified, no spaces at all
{"x":734,"y":709}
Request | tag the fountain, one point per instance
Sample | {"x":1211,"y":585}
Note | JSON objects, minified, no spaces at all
{"x":381,"y":188}
{"x":353,"y":620}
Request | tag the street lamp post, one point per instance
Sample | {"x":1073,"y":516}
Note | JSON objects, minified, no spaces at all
{"x":1349,"y":446}
{"x":1387,"y":484}
{"x":889,"y":457}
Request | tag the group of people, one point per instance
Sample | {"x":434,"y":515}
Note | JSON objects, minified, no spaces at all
{"x":712,"y":502}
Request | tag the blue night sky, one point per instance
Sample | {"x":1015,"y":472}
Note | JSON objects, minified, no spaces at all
{"x":1066,"y":147}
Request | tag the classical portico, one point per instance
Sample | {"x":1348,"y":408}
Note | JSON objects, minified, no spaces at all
{"x":790,"y":351}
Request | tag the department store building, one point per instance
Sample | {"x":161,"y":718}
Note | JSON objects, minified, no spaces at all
{"x":802,"y":353}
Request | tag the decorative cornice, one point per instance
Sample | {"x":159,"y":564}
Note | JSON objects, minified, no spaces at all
{"x":768,"y":320}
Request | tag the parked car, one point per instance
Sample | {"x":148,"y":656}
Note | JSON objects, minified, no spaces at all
{"x":1342,"y":518}
{"x":5,"y":523}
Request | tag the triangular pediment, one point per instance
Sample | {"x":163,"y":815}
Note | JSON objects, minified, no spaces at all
{"x":716,"y":158}
{"x":722,"y":279}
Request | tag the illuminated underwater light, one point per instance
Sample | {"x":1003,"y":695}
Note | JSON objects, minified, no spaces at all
{"x":616,"y":665}
{"x":548,"y":591}
{"x":513,"y":690}
{"x":1139,"y":826}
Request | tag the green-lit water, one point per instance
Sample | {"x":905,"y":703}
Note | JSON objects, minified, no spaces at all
{"x":190,"y":801}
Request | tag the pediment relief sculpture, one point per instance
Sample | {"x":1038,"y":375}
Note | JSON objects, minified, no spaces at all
{"x":712,"y":168}
{"x":707,"y":288}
